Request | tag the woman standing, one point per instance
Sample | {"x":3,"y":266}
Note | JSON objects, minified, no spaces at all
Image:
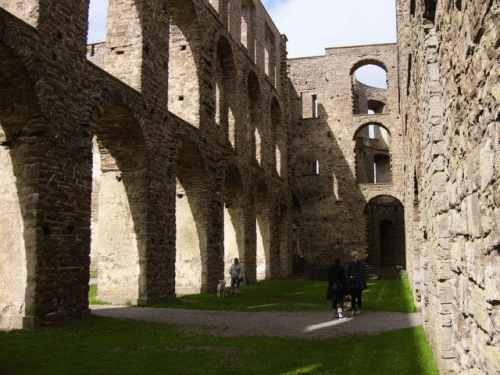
{"x":336,"y":287}
{"x":357,"y":282}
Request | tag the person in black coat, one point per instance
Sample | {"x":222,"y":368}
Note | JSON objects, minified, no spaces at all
{"x":336,"y":291}
{"x":356,"y":282}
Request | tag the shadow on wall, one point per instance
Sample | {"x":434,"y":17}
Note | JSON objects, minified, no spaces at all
{"x":333,"y":220}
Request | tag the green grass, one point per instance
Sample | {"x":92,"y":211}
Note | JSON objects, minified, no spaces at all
{"x":299,"y":295}
{"x":113,"y":346}
{"x":93,"y":296}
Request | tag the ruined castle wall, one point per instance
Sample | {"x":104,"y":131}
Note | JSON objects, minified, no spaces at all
{"x":450,"y":102}
{"x":332,"y":202}
{"x":119,"y":99}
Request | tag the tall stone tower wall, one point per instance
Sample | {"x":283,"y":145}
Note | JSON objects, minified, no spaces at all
{"x":449,"y":55}
{"x":330,"y":113}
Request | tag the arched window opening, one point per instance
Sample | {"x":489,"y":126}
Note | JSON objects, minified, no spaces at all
{"x":369,"y":88}
{"x":372,"y":155}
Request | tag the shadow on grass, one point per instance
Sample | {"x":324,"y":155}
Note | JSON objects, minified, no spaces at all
{"x":104,"y":346}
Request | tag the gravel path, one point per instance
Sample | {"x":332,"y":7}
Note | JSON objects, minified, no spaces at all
{"x":312,"y":325}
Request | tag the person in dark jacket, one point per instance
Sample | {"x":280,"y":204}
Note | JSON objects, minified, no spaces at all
{"x":356,"y":282}
{"x":336,"y":287}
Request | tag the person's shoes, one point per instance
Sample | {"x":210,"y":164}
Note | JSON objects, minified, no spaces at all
{"x":358,"y":311}
{"x":353,"y":312}
{"x":340,"y":314}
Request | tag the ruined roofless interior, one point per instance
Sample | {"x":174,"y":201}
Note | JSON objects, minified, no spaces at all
{"x":188,"y":138}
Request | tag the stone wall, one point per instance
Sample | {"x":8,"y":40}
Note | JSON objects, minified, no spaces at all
{"x":449,"y":53}
{"x":333,"y":203}
{"x":92,"y":158}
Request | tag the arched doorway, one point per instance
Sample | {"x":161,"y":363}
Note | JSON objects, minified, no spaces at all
{"x":385,"y":235}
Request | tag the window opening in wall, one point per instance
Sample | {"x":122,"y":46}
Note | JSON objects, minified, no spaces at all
{"x":314,"y":106}
{"x":369,"y":87}
{"x":372,"y":155}
{"x":412,"y":7}
{"x":430,"y":10}
{"x":408,"y":81}
{"x":309,"y":103}
{"x":217,"y":103}
{"x":269,"y":55}
{"x":336,"y":187}
{"x":375,"y":107}
{"x":315,"y":166}
{"x":257,"y":146}
{"x":98,"y":14}
{"x":371,"y":75}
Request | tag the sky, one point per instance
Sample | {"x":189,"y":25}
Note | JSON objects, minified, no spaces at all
{"x":310,"y":25}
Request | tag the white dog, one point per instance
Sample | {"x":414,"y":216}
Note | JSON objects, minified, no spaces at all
{"x":221,"y":288}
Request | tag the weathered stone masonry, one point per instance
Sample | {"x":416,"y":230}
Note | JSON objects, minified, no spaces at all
{"x":449,"y":55}
{"x":173,"y":195}
{"x":187,"y":139}
{"x":329,"y":142}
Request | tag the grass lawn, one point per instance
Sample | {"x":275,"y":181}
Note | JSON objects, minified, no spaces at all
{"x":113,"y":346}
{"x":294,"y":295}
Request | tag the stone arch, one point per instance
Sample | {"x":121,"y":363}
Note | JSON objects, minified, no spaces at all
{"x":21,"y":124}
{"x":263,"y":222}
{"x":366,"y":93}
{"x":372,"y":143}
{"x":119,"y":205}
{"x":225,"y":83}
{"x":279,"y":142}
{"x":183,"y":72}
{"x":255,"y":115}
{"x":385,"y":235}
{"x":192,"y":217}
{"x":233,"y":195}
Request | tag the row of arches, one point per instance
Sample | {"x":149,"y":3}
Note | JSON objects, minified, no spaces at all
{"x":212,"y":222}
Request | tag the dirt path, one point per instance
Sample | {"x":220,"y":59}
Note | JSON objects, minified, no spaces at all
{"x":275,"y":324}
